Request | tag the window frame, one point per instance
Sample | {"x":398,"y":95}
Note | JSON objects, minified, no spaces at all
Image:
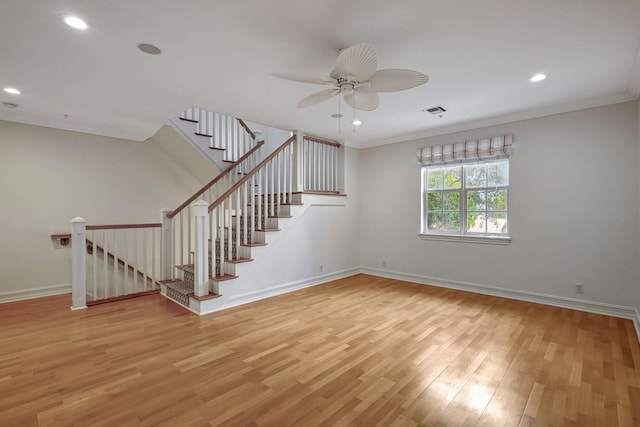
{"x":463,"y":235}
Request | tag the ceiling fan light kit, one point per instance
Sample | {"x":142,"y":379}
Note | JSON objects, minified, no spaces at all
{"x":356,"y":77}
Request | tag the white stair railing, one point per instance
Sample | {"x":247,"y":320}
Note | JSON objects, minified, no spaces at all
{"x":320,"y":165}
{"x":181,"y":226}
{"x":251,"y":206}
{"x":113,"y":261}
{"x":226,"y":133}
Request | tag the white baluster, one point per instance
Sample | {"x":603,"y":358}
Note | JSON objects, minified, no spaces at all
{"x":136,"y":259}
{"x":278,"y":179}
{"x":238,"y":214}
{"x":189,"y":233}
{"x":210,"y":126}
{"x":221,"y":218}
{"x":213,"y":235}
{"x":116,"y":265}
{"x":154,"y":273}
{"x":201,"y":262}
{"x":145,"y":259}
{"x":125,"y":258}
{"x":244,"y":213}
{"x":253,"y":207}
{"x":229,"y":228}
{"x":259,"y":200}
{"x":78,"y":264}
{"x":290,"y":158}
{"x":105,"y":265}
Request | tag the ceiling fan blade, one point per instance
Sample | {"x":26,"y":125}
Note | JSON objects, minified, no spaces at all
{"x":318,"y":97}
{"x":358,"y":62}
{"x":394,"y":81}
{"x":362,"y":101}
{"x":304,"y":78}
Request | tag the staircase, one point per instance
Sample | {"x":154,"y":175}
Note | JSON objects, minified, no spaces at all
{"x":220,"y":138}
{"x":231,"y":241}
{"x":216,"y":241}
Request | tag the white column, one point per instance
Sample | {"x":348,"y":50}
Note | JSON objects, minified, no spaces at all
{"x":298,"y":159}
{"x":166,"y":248}
{"x":78,"y":264}
{"x":201,"y":264}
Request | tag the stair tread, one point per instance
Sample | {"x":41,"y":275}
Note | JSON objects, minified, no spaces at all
{"x":223,"y":277}
{"x":254,"y":244}
{"x":204,"y":297}
{"x":185,"y":267}
{"x":217,"y":148}
{"x":238,"y":260}
{"x":206,"y":135}
{"x":188,"y":120}
{"x":267,"y":229}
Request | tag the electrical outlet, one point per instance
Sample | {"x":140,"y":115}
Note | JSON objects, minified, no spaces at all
{"x":384,"y":262}
{"x":579,"y":288}
{"x":321,"y":267}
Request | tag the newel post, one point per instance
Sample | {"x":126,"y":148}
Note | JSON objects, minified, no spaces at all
{"x":298,"y":161}
{"x":78,"y":264}
{"x":166,"y":249}
{"x":201,"y":265}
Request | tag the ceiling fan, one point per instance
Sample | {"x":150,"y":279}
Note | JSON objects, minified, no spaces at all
{"x":356,"y":77}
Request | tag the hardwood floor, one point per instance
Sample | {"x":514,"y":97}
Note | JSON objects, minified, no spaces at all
{"x":360,"y":351}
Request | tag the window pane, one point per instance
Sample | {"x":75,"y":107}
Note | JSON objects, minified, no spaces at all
{"x":476,"y":200}
{"x":434,"y":201}
{"x":453,"y":177}
{"x":434,"y":221}
{"x":451,"y":200}
{"x":434,"y":178}
{"x":497,"y":223}
{"x":498,"y":173}
{"x":476,"y":176}
{"x":476,"y":222}
{"x":451,"y":221}
{"x":497,"y":200}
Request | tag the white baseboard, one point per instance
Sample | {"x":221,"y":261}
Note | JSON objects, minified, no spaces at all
{"x":24,"y":294}
{"x":622,"y":312}
{"x":249,"y":297}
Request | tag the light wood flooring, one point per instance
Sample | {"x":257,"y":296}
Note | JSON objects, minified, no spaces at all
{"x":360,"y":351}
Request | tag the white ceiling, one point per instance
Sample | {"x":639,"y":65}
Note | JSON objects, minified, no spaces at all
{"x":219,"y":55}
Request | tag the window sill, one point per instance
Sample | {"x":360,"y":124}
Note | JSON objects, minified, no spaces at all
{"x":490,"y":240}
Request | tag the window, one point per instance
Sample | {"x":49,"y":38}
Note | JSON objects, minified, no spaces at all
{"x":466,"y":199}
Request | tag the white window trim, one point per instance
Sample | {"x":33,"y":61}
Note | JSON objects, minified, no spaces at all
{"x":493,"y":239}
{"x":466,"y":238}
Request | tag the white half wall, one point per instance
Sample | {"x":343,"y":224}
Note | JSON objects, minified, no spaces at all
{"x":50,"y":176}
{"x":574,"y":210}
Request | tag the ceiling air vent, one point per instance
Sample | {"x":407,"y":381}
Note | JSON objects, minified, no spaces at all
{"x":436,"y":111}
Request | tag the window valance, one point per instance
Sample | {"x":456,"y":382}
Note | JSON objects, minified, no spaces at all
{"x":488,"y":148}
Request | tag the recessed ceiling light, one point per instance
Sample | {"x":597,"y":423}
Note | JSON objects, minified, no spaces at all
{"x":75,"y":22}
{"x":538,"y":77}
{"x":336,"y":116}
{"x":149,"y":48}
{"x":356,"y":122}
{"x":12,"y":90}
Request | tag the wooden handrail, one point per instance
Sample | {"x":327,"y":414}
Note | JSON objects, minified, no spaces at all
{"x":322,"y":141}
{"x":122,"y":226}
{"x":244,"y":125}
{"x":215,"y":180}
{"x":245,"y":178}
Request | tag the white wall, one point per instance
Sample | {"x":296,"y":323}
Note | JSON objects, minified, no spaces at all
{"x":638,"y":134}
{"x":316,"y":235}
{"x":48,"y":177}
{"x":573,"y":211}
